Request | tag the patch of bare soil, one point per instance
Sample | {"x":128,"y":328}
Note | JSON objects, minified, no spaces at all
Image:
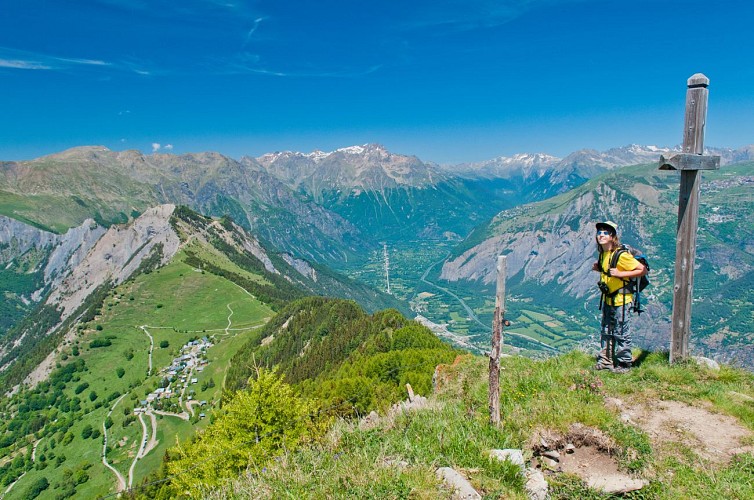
{"x":587,"y":453}
{"x":712,"y":436}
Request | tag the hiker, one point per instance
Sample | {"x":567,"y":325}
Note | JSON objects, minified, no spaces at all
{"x":615,"y":333}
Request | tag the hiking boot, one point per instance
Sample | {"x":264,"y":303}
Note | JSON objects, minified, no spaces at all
{"x":601,"y":366}
{"x":622,"y":368}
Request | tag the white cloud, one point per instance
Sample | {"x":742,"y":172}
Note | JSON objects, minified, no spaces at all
{"x":86,"y":62}
{"x":253,"y":29}
{"x":19,"y":64}
{"x":156,"y":146}
{"x":22,"y":59}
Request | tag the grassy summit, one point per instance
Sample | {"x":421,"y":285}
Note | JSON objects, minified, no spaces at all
{"x":687,"y":430}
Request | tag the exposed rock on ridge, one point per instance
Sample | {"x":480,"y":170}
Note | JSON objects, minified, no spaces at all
{"x":116,"y":255}
{"x":68,"y":250}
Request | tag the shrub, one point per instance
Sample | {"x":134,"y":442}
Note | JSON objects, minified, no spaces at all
{"x":100,"y":343}
{"x":37,"y":487}
{"x":86,"y":431}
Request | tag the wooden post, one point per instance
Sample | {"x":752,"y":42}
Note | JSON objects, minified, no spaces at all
{"x":689,"y":163}
{"x":498,"y":320}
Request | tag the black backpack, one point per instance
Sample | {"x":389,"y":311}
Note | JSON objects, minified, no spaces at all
{"x":634,"y":285}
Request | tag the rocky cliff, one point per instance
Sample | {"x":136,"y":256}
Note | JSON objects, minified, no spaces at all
{"x":115,"y":256}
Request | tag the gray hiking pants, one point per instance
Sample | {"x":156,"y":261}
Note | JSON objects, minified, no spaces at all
{"x":615,"y":336}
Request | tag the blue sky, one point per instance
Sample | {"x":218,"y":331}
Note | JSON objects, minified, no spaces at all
{"x":448,"y":81}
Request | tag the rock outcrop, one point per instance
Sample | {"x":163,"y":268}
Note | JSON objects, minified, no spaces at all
{"x":116,"y":255}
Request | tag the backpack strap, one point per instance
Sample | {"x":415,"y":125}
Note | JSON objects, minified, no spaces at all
{"x":616,"y":256}
{"x":614,"y":263}
{"x":624,"y":290}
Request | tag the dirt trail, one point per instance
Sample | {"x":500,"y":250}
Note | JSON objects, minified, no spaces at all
{"x":190,"y":406}
{"x":713,"y":436}
{"x":151,"y":347}
{"x":588,"y":453}
{"x":34,"y":450}
{"x":11,"y":485}
{"x":153,"y":442}
{"x":182,"y":415}
{"x":140,"y":451}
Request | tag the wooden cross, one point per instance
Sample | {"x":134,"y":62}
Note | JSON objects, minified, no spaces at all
{"x":689,"y":162}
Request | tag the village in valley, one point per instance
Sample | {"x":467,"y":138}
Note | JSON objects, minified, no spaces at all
{"x":174,"y":397}
{"x":177,"y":380}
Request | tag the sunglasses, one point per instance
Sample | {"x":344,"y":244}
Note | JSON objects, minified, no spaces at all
{"x":603,"y":233}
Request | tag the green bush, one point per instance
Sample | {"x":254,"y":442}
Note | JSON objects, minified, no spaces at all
{"x":100,"y":343}
{"x":86,"y":431}
{"x":37,"y":487}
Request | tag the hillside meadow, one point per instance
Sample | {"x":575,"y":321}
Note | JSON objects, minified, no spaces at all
{"x":181,"y":303}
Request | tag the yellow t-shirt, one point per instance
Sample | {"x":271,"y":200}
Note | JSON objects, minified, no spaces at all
{"x":626,"y":262}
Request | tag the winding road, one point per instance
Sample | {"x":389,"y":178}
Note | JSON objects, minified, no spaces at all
{"x":139,"y":454}
{"x":121,"y":479}
{"x":153,"y":442}
{"x":149,"y":439}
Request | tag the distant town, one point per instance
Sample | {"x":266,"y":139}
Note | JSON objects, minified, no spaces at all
{"x":177,"y":379}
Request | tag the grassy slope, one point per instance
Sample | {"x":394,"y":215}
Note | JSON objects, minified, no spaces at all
{"x":397,"y":459}
{"x":63,"y":193}
{"x":184,"y":303}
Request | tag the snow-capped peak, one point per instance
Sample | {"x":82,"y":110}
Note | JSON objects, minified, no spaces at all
{"x":317,"y":155}
{"x":352,"y":150}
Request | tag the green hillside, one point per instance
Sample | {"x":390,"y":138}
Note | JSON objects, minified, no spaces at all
{"x":336,"y":352}
{"x":19,"y":279}
{"x":104,"y":373}
{"x":449,"y":209}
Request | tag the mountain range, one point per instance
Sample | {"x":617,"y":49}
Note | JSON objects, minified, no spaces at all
{"x":333,"y":209}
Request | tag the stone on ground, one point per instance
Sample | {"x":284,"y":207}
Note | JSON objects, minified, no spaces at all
{"x":460,"y":485}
